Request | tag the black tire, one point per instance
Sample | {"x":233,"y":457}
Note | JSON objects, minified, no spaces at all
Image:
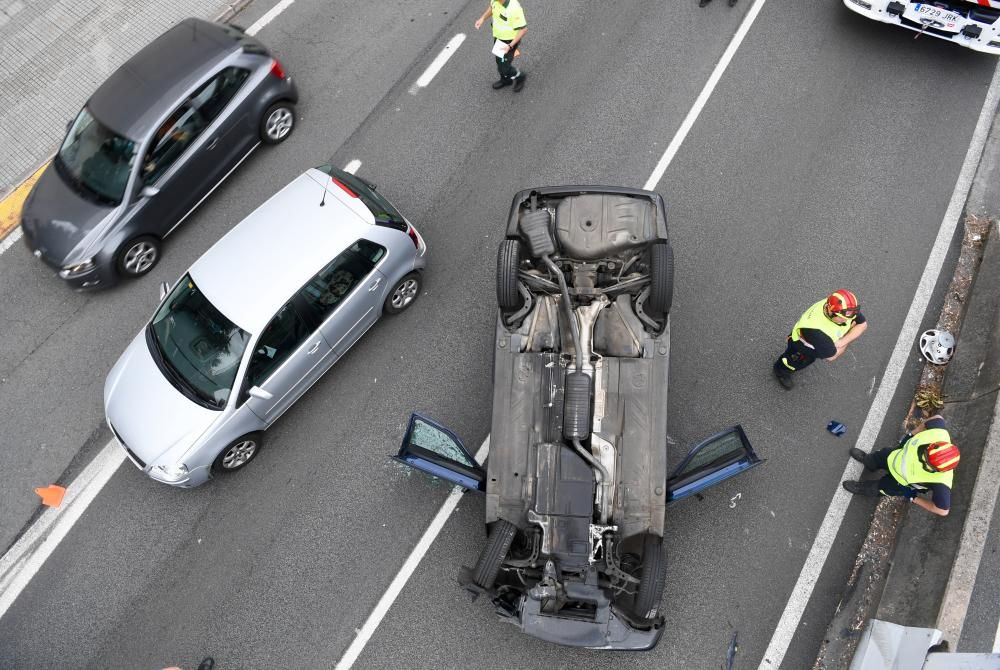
{"x":235,"y":460}
{"x":277,"y":123}
{"x":652,"y":578}
{"x":661,"y":271}
{"x":508,"y":263}
{"x":403,"y":294}
{"x":137,"y":256}
{"x":497,"y":545}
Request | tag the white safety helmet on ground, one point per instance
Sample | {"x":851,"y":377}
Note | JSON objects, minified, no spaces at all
{"x":937,"y":346}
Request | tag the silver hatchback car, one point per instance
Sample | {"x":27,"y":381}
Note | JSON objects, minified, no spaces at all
{"x":256,"y":321}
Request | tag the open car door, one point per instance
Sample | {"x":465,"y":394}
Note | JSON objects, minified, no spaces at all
{"x":716,"y":459}
{"x":432,"y":448}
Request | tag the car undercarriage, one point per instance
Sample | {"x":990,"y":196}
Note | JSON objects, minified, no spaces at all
{"x":575,"y":490}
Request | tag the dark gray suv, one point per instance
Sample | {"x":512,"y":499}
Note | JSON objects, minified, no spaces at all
{"x":150,"y":145}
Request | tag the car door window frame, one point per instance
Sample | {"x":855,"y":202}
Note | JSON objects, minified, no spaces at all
{"x":311,"y":329}
{"x":704,"y":473}
{"x":152,"y":172}
{"x":312,"y":303}
{"x":472,"y":477}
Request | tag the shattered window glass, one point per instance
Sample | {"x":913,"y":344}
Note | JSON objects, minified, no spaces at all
{"x":715,"y":450}
{"x":428,"y":437}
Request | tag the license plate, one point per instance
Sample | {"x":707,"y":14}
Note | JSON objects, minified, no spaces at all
{"x":933,"y":17}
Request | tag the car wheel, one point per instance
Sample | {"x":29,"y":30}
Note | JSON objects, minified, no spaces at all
{"x":403,"y":294}
{"x":497,"y":545}
{"x":238,"y":454}
{"x":661,"y":293}
{"x":652,"y":577}
{"x":508,"y":263}
{"x":139,"y":256}
{"x":277,"y":123}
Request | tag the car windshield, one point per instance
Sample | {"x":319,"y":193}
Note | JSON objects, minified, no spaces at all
{"x":95,"y":161}
{"x":198,"y":349}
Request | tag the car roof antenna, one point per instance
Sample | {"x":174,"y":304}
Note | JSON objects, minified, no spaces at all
{"x":322,"y":202}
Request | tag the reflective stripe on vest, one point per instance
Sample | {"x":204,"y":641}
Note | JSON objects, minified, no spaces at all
{"x":507,"y":21}
{"x":815,"y":318}
{"x":906,"y":468}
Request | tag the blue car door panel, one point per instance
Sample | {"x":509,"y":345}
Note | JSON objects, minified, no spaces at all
{"x":716,"y":459}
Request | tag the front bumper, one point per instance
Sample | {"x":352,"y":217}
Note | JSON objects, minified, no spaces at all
{"x":102,"y":275}
{"x":971,"y":34}
{"x":608,"y":631}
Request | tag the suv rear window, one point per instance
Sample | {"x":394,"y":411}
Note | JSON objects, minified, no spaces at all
{"x":385,"y":214}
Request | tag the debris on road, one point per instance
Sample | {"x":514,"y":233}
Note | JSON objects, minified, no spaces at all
{"x":52,"y":496}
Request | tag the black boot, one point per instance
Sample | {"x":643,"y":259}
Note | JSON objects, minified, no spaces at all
{"x":864,"y":458}
{"x":704,"y":2}
{"x":869,"y":488}
{"x":784,"y":378}
{"x":500,"y":83}
{"x":519,"y":81}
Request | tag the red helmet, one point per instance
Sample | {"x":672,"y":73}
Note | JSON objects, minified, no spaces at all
{"x":942,"y":456}
{"x":842,"y":302}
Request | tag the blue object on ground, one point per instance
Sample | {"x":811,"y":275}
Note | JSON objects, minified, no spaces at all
{"x":836,"y":428}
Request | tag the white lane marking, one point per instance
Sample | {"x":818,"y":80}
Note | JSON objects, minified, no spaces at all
{"x":271,"y":15}
{"x":996,"y":640}
{"x":19,"y":565}
{"x":449,"y":50}
{"x":962,"y":580}
{"x":796,"y":605}
{"x":437,"y":524}
{"x":409,"y":566}
{"x":702,"y":99}
{"x":353,"y":166}
{"x":7,"y":242}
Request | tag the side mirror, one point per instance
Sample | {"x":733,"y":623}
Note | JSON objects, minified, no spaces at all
{"x":258,"y":392}
{"x":149,"y":191}
{"x":164,"y":289}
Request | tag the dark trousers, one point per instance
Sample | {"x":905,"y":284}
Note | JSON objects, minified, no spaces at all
{"x":795,"y":358}
{"x":888,"y":486}
{"x":505,"y":65}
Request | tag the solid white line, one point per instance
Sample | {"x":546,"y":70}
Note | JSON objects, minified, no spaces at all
{"x":12,"y":237}
{"x":19,"y":565}
{"x":271,"y":15}
{"x":996,"y":640}
{"x":438,"y":63}
{"x":409,"y":566}
{"x":702,"y":99}
{"x":961,"y":581}
{"x":796,"y":605}
{"x":353,"y":166}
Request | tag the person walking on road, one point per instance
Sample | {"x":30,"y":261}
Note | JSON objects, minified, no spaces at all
{"x":823,"y":331}
{"x":509,"y":28}
{"x":923,"y":462}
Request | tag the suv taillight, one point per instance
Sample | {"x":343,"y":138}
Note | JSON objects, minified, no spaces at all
{"x":276,"y":69}
{"x":412,"y":232}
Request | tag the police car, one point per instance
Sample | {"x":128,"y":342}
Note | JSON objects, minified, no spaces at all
{"x":968,"y":23}
{"x":577,"y":481}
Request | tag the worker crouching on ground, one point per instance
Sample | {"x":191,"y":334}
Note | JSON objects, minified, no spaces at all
{"x":823,"y":331}
{"x":923,"y":462}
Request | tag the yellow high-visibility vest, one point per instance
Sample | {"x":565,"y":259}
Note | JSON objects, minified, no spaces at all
{"x":906,"y":468}
{"x":507,"y":21}
{"x":814,"y":317}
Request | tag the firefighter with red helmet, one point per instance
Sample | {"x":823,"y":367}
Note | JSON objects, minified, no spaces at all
{"x":823,"y":331}
{"x":922,"y":462}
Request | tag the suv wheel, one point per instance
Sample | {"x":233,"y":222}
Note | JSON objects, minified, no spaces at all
{"x":139,"y":256}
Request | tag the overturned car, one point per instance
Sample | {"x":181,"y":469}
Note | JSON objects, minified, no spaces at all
{"x":577,"y":482}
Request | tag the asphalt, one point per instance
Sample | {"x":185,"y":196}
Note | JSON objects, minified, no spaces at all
{"x":826,"y":157}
